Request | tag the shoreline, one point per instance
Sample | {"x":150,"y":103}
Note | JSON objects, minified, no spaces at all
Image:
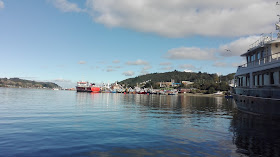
{"x":185,"y":94}
{"x":201,"y":94}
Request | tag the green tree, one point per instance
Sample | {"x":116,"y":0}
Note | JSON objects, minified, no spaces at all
{"x":211,"y":90}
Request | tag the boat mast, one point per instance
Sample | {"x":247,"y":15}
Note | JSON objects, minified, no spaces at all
{"x":278,"y":24}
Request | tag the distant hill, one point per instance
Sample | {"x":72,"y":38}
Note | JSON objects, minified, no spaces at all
{"x":202,"y":81}
{"x":17,"y":82}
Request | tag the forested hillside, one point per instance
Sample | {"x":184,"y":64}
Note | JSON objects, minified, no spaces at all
{"x":202,"y":81}
{"x":17,"y":82}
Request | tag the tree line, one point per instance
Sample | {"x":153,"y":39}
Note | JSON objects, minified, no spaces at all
{"x":202,"y":82}
{"x":17,"y":82}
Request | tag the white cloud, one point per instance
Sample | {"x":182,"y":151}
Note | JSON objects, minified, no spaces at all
{"x":180,"y":18}
{"x":188,"y":70}
{"x":27,"y":77}
{"x":144,"y":72}
{"x":82,"y":62}
{"x":110,"y":70}
{"x":147,"y":67}
{"x":165,"y":63}
{"x":190,"y":53}
{"x":137,"y":62}
{"x":167,"y":68}
{"x":237,"y":47}
{"x":238,"y":64}
{"x":102,"y":62}
{"x":128,"y":73}
{"x":94,"y":67}
{"x":234,"y":48}
{"x":66,"y":6}
{"x":64,"y":83}
{"x":220,"y":64}
{"x":187,"y":66}
{"x":116,"y":61}
{"x":61,"y":80}
{"x":2,"y":5}
{"x":225,"y":65}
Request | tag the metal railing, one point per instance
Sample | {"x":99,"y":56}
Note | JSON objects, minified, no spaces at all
{"x":262,"y":40}
{"x":267,"y":59}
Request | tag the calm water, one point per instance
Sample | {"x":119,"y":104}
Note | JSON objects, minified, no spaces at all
{"x":65,"y":123}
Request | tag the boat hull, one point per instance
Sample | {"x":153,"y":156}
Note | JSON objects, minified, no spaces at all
{"x":142,"y":93}
{"x":83,"y":89}
{"x":258,"y":105}
{"x":95,"y":89}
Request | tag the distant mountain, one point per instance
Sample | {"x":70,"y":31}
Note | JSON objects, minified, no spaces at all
{"x":202,"y":81}
{"x":17,"y":82}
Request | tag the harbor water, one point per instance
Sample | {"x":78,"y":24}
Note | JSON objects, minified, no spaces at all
{"x":36,"y":122}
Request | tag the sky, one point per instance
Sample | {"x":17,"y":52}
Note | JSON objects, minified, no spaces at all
{"x":65,"y":41}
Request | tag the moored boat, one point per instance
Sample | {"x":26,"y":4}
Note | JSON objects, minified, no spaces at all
{"x":257,"y":83}
{"x":218,"y":93}
{"x":87,"y":87}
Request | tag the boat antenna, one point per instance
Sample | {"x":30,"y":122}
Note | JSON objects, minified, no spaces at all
{"x":278,"y":24}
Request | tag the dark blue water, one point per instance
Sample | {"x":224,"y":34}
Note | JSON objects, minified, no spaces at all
{"x":65,"y":123}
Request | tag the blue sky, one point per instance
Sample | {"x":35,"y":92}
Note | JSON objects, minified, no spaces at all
{"x":106,"y":41}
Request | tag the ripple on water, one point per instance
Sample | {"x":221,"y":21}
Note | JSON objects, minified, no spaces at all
{"x":64,"y":123}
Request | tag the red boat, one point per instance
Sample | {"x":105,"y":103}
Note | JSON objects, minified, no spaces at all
{"x":87,"y":87}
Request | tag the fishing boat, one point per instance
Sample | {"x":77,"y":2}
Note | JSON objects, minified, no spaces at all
{"x":87,"y":87}
{"x":257,"y":83}
{"x":142,"y":91}
{"x":172,"y":92}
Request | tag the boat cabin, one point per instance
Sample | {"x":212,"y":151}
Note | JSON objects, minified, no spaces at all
{"x":262,"y":66}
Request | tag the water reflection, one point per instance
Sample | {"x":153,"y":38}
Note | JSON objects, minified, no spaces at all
{"x":255,"y":135}
{"x":61,"y":123}
{"x":183,"y":104}
{"x":207,"y":125}
{"x":159,"y":104}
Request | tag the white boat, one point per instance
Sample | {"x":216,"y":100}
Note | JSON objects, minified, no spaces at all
{"x":257,"y":83}
{"x":218,"y":93}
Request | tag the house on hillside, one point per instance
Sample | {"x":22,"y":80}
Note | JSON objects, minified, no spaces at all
{"x":116,"y":86}
{"x":187,"y":83}
{"x":168,"y":84}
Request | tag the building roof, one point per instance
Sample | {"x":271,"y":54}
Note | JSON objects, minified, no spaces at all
{"x":260,"y":46}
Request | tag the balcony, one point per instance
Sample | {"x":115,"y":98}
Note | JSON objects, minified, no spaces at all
{"x":262,"y":61}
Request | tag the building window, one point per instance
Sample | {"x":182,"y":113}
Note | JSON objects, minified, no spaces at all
{"x":252,"y":58}
{"x":276,"y":78}
{"x":276,"y":45}
{"x":271,"y":78}
{"x":258,"y":80}
{"x":254,"y":80}
{"x":248,"y":81}
{"x":262,"y":81}
{"x":238,"y":81}
{"x":267,"y":78}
